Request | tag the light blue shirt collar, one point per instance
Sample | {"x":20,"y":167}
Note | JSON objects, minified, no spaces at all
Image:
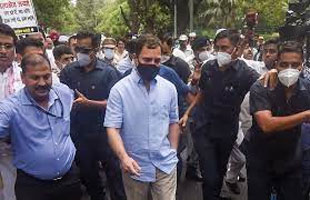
{"x":28,"y":100}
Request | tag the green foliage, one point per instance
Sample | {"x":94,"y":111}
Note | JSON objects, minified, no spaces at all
{"x":49,"y":12}
{"x":156,"y":18}
{"x":152,"y":16}
{"x":111,"y":21}
{"x":271,"y":12}
{"x":86,"y":13}
{"x":69,"y":23}
{"x":218,"y":13}
{"x":117,"y":17}
{"x":56,"y":14}
{"x":230,"y":13}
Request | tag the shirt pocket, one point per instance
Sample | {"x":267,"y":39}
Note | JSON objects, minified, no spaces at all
{"x":231,"y":95}
{"x":64,"y":124}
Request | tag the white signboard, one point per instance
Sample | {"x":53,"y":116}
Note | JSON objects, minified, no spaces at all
{"x":19,"y":14}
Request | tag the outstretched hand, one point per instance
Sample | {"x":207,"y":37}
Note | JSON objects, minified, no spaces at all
{"x":82,"y":100}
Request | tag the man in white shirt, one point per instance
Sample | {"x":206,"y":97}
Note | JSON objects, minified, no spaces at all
{"x":10,"y":82}
{"x":184,"y":51}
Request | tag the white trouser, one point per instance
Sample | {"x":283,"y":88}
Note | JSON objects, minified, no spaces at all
{"x":8,"y":173}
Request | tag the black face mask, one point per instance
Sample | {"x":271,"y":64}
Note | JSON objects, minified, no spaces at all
{"x":147,"y":72}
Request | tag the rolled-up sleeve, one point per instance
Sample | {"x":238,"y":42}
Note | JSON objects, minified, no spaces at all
{"x":5,"y":117}
{"x":259,"y":100}
{"x":114,"y":112}
{"x":174,"y":111}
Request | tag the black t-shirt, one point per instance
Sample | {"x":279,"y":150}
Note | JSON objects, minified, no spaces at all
{"x":281,"y":148}
{"x":180,"y":67}
{"x":94,"y":85}
{"x":223,"y":93}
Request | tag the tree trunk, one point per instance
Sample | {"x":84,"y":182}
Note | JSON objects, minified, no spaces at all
{"x":182,"y":16}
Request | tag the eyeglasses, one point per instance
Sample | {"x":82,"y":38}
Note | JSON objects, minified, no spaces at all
{"x":6,"y":47}
{"x":83,"y":50}
{"x":293,"y":65}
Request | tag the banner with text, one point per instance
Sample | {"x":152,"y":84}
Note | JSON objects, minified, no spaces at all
{"x":20,"y":15}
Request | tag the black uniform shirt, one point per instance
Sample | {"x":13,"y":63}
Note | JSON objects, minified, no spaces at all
{"x":223,"y":93}
{"x":94,"y":85}
{"x":180,"y":67}
{"x":281,"y":148}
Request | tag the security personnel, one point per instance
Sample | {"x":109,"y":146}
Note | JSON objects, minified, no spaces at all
{"x":92,"y":80}
{"x":223,"y":84}
{"x":274,"y":149}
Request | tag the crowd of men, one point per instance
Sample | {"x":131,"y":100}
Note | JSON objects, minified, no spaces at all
{"x":73,"y":107}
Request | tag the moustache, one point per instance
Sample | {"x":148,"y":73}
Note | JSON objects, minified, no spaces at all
{"x":43,"y":88}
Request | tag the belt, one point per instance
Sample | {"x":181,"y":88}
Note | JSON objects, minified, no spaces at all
{"x":31,"y":176}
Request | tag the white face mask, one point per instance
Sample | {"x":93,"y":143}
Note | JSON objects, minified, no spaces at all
{"x":223,"y":58}
{"x":108,"y":54}
{"x":83,"y":59}
{"x":289,"y":77}
{"x":164,"y":58}
{"x":204,"y":55}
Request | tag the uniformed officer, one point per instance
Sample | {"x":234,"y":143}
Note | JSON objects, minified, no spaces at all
{"x":92,"y":80}
{"x":274,"y":150}
{"x":223,"y":84}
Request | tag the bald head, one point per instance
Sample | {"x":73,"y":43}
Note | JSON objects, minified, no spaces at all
{"x":33,"y":60}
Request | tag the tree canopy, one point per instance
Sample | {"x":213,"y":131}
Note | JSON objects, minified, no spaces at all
{"x":119,"y":17}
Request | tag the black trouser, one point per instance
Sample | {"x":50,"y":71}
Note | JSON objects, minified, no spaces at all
{"x":90,"y":151}
{"x":306,"y":174}
{"x":28,"y":187}
{"x":262,"y":177}
{"x":181,"y":147}
{"x":213,"y":158}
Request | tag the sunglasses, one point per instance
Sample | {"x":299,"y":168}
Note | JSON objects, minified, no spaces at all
{"x":83,"y":50}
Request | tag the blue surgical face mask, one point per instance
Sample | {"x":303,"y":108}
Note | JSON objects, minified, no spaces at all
{"x":108,"y":54}
{"x":83,"y":59}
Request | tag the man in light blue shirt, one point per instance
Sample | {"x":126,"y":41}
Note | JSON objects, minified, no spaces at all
{"x":37,"y":119}
{"x":141,"y":121}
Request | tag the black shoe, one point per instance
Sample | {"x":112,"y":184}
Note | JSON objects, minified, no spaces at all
{"x":233,"y":187}
{"x":193,"y":175}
